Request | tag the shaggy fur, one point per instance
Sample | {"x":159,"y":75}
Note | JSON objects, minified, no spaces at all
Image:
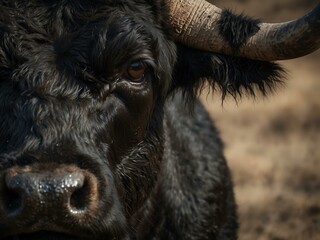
{"x":236,"y":29}
{"x":67,"y":100}
{"x":230,"y":75}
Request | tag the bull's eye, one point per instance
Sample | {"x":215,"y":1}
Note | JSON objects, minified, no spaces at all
{"x":135,"y":71}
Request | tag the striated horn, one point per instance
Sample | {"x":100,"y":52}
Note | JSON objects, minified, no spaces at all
{"x":197,"y":23}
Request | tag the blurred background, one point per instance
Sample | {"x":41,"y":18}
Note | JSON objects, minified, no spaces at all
{"x":273,"y":144}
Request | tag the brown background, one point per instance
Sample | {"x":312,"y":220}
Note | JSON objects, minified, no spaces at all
{"x":273,"y":144}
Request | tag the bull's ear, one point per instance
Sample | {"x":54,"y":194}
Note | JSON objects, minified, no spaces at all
{"x":230,"y":75}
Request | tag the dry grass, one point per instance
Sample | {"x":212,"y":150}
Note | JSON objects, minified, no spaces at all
{"x":273,"y":145}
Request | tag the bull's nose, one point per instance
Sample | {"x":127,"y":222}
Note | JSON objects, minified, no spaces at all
{"x":50,"y":194}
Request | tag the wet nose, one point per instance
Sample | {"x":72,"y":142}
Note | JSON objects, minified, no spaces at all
{"x":45,"y":193}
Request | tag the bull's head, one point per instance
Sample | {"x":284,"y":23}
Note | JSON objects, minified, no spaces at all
{"x":82,"y":91}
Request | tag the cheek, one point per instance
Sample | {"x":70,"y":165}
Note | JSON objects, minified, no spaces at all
{"x":140,"y":115}
{"x":135,"y":119}
{"x":134,"y":111}
{"x":138,"y":103}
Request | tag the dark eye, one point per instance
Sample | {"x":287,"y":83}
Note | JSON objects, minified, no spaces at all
{"x":135,"y":71}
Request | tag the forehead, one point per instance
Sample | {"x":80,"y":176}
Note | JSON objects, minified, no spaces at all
{"x":79,"y":37}
{"x":62,"y":34}
{"x":71,"y":11}
{"x":51,"y":20}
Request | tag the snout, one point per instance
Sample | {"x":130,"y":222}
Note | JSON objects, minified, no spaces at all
{"x":35,"y":199}
{"x":61,"y":191}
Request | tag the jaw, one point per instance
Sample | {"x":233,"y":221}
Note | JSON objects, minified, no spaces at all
{"x":43,"y":235}
{"x":48,"y":235}
{"x":51,"y":231}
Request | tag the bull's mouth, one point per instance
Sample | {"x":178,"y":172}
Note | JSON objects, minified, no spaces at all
{"x":43,"y":235}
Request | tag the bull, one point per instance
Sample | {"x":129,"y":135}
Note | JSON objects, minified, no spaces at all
{"x":101,"y":132}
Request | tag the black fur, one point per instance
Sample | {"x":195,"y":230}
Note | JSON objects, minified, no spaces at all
{"x":230,"y":75}
{"x":66,"y":99}
{"x":236,"y":29}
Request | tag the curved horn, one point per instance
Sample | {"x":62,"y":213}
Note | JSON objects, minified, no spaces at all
{"x":196,"y":24}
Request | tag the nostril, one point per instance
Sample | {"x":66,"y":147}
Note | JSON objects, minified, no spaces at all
{"x":79,"y":199}
{"x":12,"y":196}
{"x":12,"y":201}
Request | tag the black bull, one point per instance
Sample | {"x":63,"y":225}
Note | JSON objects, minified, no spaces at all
{"x":101,"y":135}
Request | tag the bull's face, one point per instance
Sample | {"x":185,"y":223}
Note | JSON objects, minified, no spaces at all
{"x":80,"y":118}
{"x":82,"y":87}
